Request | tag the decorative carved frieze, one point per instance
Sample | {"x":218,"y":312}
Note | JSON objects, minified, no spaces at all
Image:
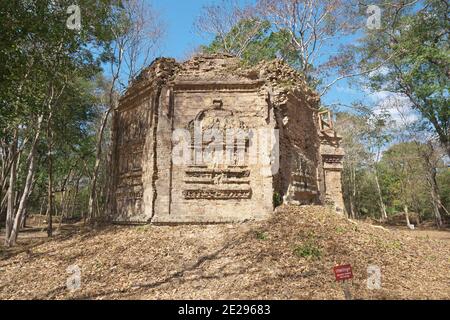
{"x":217,"y":194}
{"x":204,"y":86}
{"x":213,"y":173}
{"x":219,"y":177}
{"x":332,"y":158}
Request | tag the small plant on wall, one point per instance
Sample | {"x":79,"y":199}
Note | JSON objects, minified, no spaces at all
{"x":277,"y":200}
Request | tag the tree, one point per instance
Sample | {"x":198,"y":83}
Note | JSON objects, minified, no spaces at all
{"x":233,"y":27}
{"x":352,"y":128}
{"x":314,"y":27}
{"x":413,"y":47}
{"x":432,"y":158}
{"x":42,"y":58}
{"x":135,"y":32}
{"x":301,"y":32}
{"x":402,"y":164}
{"x":375,"y":138}
{"x":365,"y":135}
{"x":410,"y":129}
{"x":443,"y":180}
{"x":264,"y":45}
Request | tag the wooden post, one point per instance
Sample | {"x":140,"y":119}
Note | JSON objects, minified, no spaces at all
{"x":346,"y":288}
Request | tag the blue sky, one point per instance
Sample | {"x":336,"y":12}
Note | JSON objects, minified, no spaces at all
{"x":179,"y":17}
{"x":180,"y":40}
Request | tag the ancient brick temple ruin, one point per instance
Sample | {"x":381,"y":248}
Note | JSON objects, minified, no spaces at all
{"x":218,"y":92}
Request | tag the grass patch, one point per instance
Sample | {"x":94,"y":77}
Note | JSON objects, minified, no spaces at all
{"x":340,"y":230}
{"x":142,"y":228}
{"x":308,"y":250}
{"x":261,"y":235}
{"x":396,"y":244}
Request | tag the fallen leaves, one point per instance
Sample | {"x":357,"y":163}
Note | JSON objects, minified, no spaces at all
{"x":253,"y":260}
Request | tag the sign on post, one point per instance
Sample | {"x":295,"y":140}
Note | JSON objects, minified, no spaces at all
{"x":343,"y":273}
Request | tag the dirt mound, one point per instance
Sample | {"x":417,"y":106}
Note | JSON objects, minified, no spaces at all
{"x":290,"y":256}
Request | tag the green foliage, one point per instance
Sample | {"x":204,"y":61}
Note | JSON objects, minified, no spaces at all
{"x":403,"y":177}
{"x":263,"y":44}
{"x":36,"y":47}
{"x":443,"y":179}
{"x":364,"y":136}
{"x":308,"y":250}
{"x":413,"y":48}
{"x":340,"y":230}
{"x":48,"y":69}
{"x":395,"y":244}
{"x":277,"y":200}
{"x":261,"y":235}
{"x":143,"y":228}
{"x":402,"y":171}
{"x":309,"y":247}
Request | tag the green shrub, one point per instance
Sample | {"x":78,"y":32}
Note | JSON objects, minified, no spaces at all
{"x":261,"y":235}
{"x":277,"y":200}
{"x":308,"y":250}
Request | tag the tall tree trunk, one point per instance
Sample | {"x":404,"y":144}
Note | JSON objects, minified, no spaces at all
{"x":65,"y":194}
{"x":11,"y":194}
{"x":50,"y":180}
{"x":27,"y":188}
{"x":41,"y":212}
{"x":112,"y":166}
{"x":23,"y":223}
{"x":93,"y":194}
{"x":4,"y":174}
{"x":77,"y":187}
{"x":352,"y":208}
{"x":380,"y":197}
{"x":50,"y":202}
{"x":429,"y":155}
{"x":113,"y":104}
{"x":447,"y":146}
{"x":435,"y":198}
{"x":408,"y":223}
{"x":353,"y":195}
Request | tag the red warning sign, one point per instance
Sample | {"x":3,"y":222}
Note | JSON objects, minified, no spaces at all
{"x":343,"y":272}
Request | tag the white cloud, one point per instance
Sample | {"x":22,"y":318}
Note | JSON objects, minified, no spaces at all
{"x":380,"y":71}
{"x":379,"y":96}
{"x":397,"y":105}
